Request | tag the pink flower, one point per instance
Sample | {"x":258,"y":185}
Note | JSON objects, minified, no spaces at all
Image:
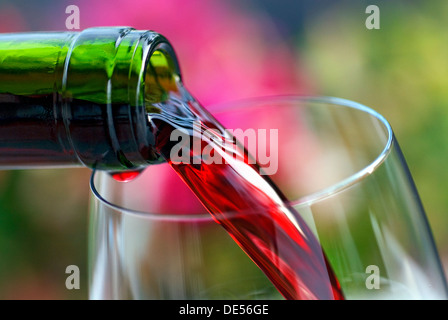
{"x":224,"y":53}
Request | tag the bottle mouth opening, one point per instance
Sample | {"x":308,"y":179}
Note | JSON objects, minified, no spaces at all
{"x":161,"y":77}
{"x":153,"y":73}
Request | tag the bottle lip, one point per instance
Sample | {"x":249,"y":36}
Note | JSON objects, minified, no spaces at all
{"x":149,"y":42}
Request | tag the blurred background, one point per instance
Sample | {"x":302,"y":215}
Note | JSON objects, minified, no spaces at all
{"x":230,"y":50}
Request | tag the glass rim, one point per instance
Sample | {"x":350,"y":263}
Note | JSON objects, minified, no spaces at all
{"x":301,"y":201}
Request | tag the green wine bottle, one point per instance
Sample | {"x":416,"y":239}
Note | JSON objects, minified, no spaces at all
{"x":82,"y":98}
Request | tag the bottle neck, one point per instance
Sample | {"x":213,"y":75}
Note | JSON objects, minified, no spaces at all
{"x":99,"y":84}
{"x":31,"y":62}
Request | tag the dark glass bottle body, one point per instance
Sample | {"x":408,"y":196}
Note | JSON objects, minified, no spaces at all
{"x":82,"y":98}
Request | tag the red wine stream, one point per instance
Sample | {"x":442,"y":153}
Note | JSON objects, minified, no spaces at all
{"x":247,"y":204}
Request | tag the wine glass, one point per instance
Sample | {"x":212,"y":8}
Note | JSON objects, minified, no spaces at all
{"x":339,"y":164}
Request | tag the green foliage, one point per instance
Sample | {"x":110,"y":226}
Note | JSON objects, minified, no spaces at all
{"x":400,"y":70}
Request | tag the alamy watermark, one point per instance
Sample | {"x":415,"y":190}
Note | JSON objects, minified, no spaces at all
{"x":373,"y":20}
{"x":72,"y":22}
{"x":373,"y":280}
{"x":210,"y":146}
{"x":72,"y":281}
